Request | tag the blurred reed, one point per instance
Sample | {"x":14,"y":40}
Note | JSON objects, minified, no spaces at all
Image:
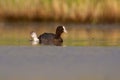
{"x":92,"y":11}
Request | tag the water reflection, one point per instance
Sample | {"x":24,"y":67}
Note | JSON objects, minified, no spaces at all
{"x":78,"y":34}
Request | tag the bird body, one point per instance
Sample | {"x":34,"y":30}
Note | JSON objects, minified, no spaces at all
{"x":51,"y":38}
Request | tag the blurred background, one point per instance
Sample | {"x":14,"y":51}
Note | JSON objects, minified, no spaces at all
{"x":89,"y":22}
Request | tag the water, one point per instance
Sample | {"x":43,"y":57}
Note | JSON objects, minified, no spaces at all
{"x":59,"y":63}
{"x":78,"y":34}
{"x":20,"y":61}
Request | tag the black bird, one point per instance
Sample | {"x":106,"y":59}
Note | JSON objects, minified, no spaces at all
{"x":51,"y":38}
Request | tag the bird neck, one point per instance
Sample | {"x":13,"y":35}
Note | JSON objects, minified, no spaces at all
{"x":58,"y":34}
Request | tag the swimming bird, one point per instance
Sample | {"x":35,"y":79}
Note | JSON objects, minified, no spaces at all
{"x":50,"y":38}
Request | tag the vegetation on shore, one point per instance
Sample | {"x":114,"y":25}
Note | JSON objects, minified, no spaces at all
{"x":92,"y":11}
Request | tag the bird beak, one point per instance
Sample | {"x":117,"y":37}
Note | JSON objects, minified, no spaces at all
{"x":65,"y":29}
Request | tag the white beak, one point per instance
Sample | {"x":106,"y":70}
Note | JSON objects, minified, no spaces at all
{"x":65,"y":29}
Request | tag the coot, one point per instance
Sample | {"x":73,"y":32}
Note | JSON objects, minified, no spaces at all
{"x":50,"y":38}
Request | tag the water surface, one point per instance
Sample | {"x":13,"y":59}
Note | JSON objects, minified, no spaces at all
{"x":59,"y":63}
{"x":78,"y":34}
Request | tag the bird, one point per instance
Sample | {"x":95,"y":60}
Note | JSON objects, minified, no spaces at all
{"x":54,"y":39}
